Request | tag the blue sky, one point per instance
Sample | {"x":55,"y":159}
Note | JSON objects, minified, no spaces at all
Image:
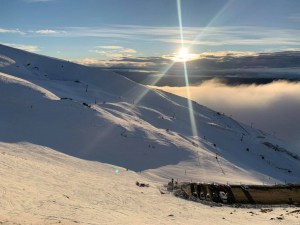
{"x":110,"y":29}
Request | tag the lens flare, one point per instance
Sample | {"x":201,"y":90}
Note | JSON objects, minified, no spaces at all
{"x":183,"y":55}
{"x":183,"y":52}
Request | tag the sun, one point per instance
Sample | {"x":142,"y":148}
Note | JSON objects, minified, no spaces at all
{"x":183,"y":52}
{"x":183,"y":55}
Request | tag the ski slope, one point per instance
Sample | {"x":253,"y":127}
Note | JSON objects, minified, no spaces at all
{"x":42,"y":186}
{"x":54,"y":110}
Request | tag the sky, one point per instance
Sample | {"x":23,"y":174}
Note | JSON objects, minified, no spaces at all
{"x":112,"y":29}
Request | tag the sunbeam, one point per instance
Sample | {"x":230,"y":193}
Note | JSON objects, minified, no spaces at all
{"x":202,"y":33}
{"x":182,"y":56}
{"x":153,"y":83}
{"x":186,"y":78}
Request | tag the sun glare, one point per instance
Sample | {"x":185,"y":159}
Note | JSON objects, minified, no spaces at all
{"x":183,"y":55}
{"x":183,"y":52}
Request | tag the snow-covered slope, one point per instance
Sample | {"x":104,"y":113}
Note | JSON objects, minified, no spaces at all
{"x":42,"y":186}
{"x":101,"y":116}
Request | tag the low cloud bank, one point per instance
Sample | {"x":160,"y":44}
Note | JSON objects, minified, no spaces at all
{"x":272,"y":107}
{"x":235,"y":67}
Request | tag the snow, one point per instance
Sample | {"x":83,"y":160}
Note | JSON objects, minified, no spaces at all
{"x":58,"y":156}
{"x":48,"y":187}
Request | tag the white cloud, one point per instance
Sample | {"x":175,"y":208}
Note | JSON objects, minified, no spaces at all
{"x":11,"y":31}
{"x":46,"y":31}
{"x":110,"y":47}
{"x":114,"y":48}
{"x":110,"y":63}
{"x":98,"y":51}
{"x":29,"y":48}
{"x":113,"y":51}
{"x":128,"y":50}
{"x":90,"y":62}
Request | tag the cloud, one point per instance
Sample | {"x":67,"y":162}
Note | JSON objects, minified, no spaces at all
{"x":10,"y":31}
{"x":103,"y":63}
{"x":271,"y":107}
{"x":241,"y":36}
{"x":36,"y":32}
{"x":113,"y":52}
{"x":29,"y":48}
{"x":128,"y":50}
{"x":89,"y":62}
{"x":231,"y":66}
{"x":110,"y":47}
{"x":46,"y":31}
{"x":204,"y":36}
{"x":214,"y":36}
{"x":130,"y":63}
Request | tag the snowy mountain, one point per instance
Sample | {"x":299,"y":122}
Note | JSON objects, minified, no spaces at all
{"x":73,"y":140}
{"x":102,"y":116}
